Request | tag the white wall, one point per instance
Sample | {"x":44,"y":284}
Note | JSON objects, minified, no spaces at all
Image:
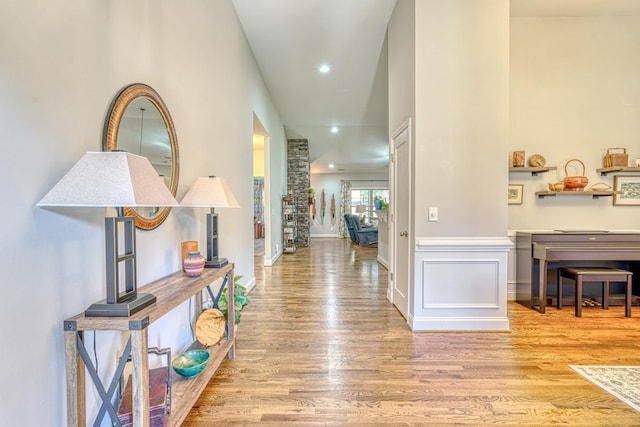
{"x":401,"y":51}
{"x":462,"y":117}
{"x":574,"y":93}
{"x":62,"y":63}
{"x":460,"y":129}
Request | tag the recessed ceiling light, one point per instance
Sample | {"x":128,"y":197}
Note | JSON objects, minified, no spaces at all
{"x":334,"y":129}
{"x":324,"y":68}
{"x":330,"y":165}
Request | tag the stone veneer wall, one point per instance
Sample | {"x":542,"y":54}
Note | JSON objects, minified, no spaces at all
{"x":298,"y":183}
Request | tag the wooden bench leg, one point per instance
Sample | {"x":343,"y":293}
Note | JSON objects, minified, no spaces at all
{"x":559,"y":282}
{"x":627,"y":297}
{"x":578,"y":282}
{"x":605,"y":295}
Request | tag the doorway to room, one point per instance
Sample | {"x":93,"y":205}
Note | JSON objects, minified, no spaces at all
{"x":261,"y":224}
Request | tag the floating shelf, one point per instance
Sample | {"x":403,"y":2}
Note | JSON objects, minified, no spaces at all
{"x":616,"y":169}
{"x":533,"y":170}
{"x":594,"y":194}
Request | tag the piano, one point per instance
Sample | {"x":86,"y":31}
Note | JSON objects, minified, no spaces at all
{"x":540,"y":252}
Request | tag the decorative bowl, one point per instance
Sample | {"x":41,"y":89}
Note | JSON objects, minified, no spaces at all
{"x":190,"y":363}
{"x":556,"y":186}
{"x":600,"y":186}
{"x":575,"y":183}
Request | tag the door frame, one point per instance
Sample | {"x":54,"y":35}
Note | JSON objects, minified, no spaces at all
{"x":393,"y":231}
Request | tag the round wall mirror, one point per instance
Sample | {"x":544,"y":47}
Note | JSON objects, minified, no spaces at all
{"x":139,"y":123}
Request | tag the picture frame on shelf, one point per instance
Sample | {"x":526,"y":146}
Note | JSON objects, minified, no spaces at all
{"x":626,"y":190}
{"x":514,"y":194}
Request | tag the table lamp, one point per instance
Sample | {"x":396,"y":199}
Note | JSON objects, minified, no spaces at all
{"x":114,"y":179}
{"x":361,"y":210}
{"x":212,"y":192}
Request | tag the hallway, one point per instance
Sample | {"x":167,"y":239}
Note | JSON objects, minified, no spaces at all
{"x":320,"y":345}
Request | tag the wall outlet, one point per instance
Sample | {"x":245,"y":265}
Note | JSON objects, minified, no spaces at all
{"x":277,"y":247}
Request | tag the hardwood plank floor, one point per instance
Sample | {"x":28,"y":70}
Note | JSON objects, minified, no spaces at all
{"x":320,"y":345}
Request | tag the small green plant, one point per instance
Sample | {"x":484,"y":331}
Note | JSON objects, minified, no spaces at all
{"x":380,"y":203}
{"x":241,"y":300}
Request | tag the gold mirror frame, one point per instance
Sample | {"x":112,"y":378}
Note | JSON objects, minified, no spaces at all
{"x":110,"y":142}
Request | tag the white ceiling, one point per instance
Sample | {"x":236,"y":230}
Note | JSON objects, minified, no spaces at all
{"x":290,"y":39}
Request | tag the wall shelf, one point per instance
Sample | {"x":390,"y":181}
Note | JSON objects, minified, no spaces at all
{"x":289,"y":224}
{"x":532,"y":170}
{"x":617,"y":169}
{"x":594,"y":194}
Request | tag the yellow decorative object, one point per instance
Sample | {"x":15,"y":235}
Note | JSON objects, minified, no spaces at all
{"x":600,"y":186}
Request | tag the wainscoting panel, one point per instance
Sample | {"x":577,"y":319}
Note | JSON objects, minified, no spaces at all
{"x":460,"y":284}
{"x":511,"y":270}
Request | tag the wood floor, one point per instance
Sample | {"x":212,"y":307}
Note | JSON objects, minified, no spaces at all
{"x":320,"y":345}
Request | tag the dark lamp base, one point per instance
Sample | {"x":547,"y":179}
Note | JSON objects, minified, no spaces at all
{"x":124,"y":309}
{"x":216,"y":263}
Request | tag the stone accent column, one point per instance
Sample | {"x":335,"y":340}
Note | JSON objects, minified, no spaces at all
{"x":298,"y":183}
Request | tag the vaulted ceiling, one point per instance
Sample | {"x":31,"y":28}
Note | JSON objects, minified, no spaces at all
{"x":291,"y":39}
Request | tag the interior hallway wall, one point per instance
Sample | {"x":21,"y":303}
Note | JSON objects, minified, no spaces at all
{"x":62,"y":63}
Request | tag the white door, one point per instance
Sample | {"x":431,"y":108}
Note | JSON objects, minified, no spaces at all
{"x":401,"y":212}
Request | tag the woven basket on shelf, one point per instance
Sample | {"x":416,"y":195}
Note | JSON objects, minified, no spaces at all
{"x":616,"y":159}
{"x":575,"y":183}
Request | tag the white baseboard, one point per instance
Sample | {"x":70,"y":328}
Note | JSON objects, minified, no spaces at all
{"x":383,"y":261}
{"x":250,"y":284}
{"x":268,"y":262}
{"x":459,"y":324}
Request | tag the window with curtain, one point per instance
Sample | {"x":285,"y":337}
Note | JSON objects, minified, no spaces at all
{"x":362,"y":203}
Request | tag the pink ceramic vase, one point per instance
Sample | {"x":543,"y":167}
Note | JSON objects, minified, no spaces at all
{"x":194,"y":264}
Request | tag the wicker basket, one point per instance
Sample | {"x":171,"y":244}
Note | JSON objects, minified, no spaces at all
{"x":616,"y":159}
{"x":575,"y":183}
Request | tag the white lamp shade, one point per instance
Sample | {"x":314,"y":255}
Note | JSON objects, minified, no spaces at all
{"x":110,"y":179}
{"x":211,"y":192}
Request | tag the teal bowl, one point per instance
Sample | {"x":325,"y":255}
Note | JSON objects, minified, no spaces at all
{"x":190,"y":363}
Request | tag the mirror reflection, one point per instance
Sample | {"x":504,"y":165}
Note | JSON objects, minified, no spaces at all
{"x":140,"y":123}
{"x":143,"y":132}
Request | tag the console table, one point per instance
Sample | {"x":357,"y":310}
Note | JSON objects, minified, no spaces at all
{"x":170,"y":292}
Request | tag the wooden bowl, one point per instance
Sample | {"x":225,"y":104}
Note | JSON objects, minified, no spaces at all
{"x":575,"y":183}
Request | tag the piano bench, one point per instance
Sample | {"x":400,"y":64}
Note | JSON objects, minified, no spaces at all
{"x":596,"y":274}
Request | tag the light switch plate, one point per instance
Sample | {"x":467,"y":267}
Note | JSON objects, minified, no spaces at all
{"x":433,"y":214}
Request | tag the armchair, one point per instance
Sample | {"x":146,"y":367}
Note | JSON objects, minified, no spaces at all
{"x":349,"y":224}
{"x":365,"y":236}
